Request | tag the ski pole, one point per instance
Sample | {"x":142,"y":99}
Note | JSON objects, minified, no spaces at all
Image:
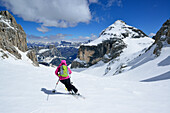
{"x":55,"y":86}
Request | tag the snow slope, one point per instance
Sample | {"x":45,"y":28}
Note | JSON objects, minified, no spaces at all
{"x":143,"y":89}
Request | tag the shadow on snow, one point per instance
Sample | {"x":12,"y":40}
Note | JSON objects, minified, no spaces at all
{"x":49,"y":92}
{"x":165,"y":62}
{"x":164,"y":76}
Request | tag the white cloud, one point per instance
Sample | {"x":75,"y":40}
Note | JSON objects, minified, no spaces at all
{"x":43,"y":29}
{"x":97,"y":19}
{"x":93,"y":1}
{"x":50,"y":38}
{"x":58,"y":37}
{"x":86,"y":38}
{"x":152,"y":34}
{"x":111,"y":2}
{"x":56,"y":13}
{"x":119,"y":3}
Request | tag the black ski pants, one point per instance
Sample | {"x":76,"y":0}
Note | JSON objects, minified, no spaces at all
{"x":68,"y":85}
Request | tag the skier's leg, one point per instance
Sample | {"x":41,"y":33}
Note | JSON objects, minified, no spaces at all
{"x":67,"y":84}
{"x":74,"y":88}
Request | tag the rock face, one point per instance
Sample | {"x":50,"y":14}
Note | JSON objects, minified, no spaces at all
{"x":108,"y":46}
{"x":105,"y":51}
{"x":162,"y":37}
{"x":69,"y":53}
{"x":12,"y":32}
{"x":31,"y":55}
{"x":12,"y":35}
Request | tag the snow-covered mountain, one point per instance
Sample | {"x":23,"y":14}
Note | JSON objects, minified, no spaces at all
{"x":141,"y":84}
{"x":117,"y":45}
{"x":118,"y":29}
{"x":142,"y":88}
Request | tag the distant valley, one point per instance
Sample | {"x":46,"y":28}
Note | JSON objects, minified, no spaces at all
{"x":51,"y":53}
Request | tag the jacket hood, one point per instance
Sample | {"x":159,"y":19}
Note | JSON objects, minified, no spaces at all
{"x":63,"y":62}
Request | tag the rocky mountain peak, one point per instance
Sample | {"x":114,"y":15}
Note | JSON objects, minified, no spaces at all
{"x":8,"y":18}
{"x":162,"y":37}
{"x":164,"y":33}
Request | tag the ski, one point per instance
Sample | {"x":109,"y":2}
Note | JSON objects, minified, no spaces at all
{"x":78,"y":95}
{"x":81,"y":96}
{"x":53,"y":91}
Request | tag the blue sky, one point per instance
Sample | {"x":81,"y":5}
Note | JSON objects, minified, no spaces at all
{"x":53,"y":20}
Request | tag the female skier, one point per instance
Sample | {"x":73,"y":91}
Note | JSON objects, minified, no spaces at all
{"x":63,"y":72}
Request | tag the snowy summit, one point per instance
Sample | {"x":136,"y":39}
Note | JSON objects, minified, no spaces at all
{"x":118,"y":30}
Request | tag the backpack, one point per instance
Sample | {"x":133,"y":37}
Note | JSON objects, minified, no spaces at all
{"x":64,"y":71}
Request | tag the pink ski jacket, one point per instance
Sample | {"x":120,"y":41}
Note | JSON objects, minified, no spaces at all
{"x":63,"y":62}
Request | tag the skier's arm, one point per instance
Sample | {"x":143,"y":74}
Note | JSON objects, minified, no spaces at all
{"x":69,"y":70}
{"x":56,"y":71}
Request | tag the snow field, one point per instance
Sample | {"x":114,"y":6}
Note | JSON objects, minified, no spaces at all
{"x":21,"y":92}
{"x":143,"y":88}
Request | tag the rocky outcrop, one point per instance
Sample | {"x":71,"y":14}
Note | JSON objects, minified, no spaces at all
{"x":162,"y":37}
{"x":90,"y":55}
{"x":31,"y":55}
{"x":3,"y":55}
{"x":12,"y":35}
{"x":7,"y":46}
